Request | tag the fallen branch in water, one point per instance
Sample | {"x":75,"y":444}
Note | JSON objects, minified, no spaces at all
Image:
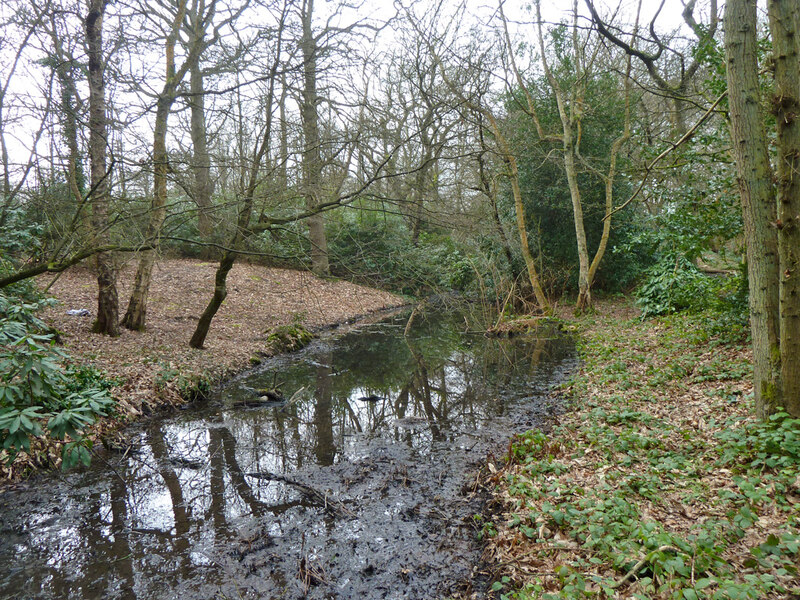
{"x":330,"y":505}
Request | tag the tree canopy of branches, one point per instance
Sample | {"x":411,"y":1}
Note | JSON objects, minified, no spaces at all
{"x":509,"y":153}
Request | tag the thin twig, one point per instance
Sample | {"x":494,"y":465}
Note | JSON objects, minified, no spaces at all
{"x":649,"y":167}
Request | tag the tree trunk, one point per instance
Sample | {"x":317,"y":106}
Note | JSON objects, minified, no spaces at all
{"x":107,"y":298}
{"x":754,"y":177}
{"x":312,"y":156}
{"x":201,"y":161}
{"x":136,"y":315}
{"x":584,"y":283}
{"x":783,"y":19}
{"x":419,"y":191}
{"x":490,"y":189}
{"x":220,"y":293}
{"x":201,"y":164}
{"x":519,"y":208}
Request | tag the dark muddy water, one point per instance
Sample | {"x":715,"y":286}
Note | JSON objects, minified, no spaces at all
{"x":356,"y":488}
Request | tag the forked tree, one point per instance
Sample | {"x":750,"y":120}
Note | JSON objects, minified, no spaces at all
{"x":571,"y":101}
{"x":136,"y":314}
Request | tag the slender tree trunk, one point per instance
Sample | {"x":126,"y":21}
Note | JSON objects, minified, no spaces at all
{"x":784,"y":17}
{"x":420,"y":189}
{"x":584,"y":283}
{"x":136,"y":315}
{"x":69,"y":112}
{"x":201,"y":161}
{"x":220,"y":293}
{"x":754,"y":176}
{"x":312,"y":156}
{"x":107,"y":298}
{"x":490,"y":189}
{"x":522,"y":230}
{"x":283,"y":168}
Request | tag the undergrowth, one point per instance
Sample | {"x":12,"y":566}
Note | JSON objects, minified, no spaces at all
{"x":42,"y":393}
{"x":659,"y":484}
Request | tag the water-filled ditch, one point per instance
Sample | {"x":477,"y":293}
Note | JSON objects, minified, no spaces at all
{"x":355,"y":485}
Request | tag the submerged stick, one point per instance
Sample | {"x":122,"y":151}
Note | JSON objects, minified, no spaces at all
{"x":328,"y":504}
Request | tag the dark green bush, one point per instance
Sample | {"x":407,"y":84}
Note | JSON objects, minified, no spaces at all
{"x":672,"y":285}
{"x":381,"y":254}
{"x":675,"y":284}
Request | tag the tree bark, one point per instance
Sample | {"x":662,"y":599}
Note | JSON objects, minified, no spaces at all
{"x":784,"y":17}
{"x":220,"y":293}
{"x":201,"y":161}
{"x":754,"y":178}
{"x":312,"y":156}
{"x":107,"y":297}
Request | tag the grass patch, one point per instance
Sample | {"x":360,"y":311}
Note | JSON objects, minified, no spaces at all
{"x":658,"y":484}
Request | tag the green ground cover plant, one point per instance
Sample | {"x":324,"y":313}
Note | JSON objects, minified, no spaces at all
{"x":658,"y":483}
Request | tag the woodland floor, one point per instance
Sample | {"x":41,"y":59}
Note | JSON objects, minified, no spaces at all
{"x":657,"y":482}
{"x":156,"y":367}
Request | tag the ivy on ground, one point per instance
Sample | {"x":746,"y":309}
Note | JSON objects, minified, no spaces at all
{"x":659,"y":484}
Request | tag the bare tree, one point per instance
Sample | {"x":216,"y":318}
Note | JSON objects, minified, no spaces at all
{"x":27,"y":20}
{"x":203,"y":187}
{"x":571,"y":103}
{"x":245,"y":212}
{"x":673,"y":71}
{"x":312,"y":155}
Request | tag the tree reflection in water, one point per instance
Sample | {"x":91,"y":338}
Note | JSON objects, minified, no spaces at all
{"x":180,"y":516}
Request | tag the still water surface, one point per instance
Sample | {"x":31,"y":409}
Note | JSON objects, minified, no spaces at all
{"x":381,"y":429}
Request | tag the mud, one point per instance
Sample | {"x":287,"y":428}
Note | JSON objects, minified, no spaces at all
{"x":355,"y":483}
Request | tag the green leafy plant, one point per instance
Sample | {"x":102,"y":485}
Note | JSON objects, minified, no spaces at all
{"x":40,"y":391}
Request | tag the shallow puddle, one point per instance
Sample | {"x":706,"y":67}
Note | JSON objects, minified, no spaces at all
{"x":351,"y":480}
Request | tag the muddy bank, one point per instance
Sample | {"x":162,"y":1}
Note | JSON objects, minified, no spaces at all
{"x":355,"y":483}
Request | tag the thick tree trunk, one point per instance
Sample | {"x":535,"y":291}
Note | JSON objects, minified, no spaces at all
{"x":784,"y":17}
{"x":107,"y":297}
{"x":312,"y":156}
{"x":201,"y":161}
{"x":754,"y":176}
